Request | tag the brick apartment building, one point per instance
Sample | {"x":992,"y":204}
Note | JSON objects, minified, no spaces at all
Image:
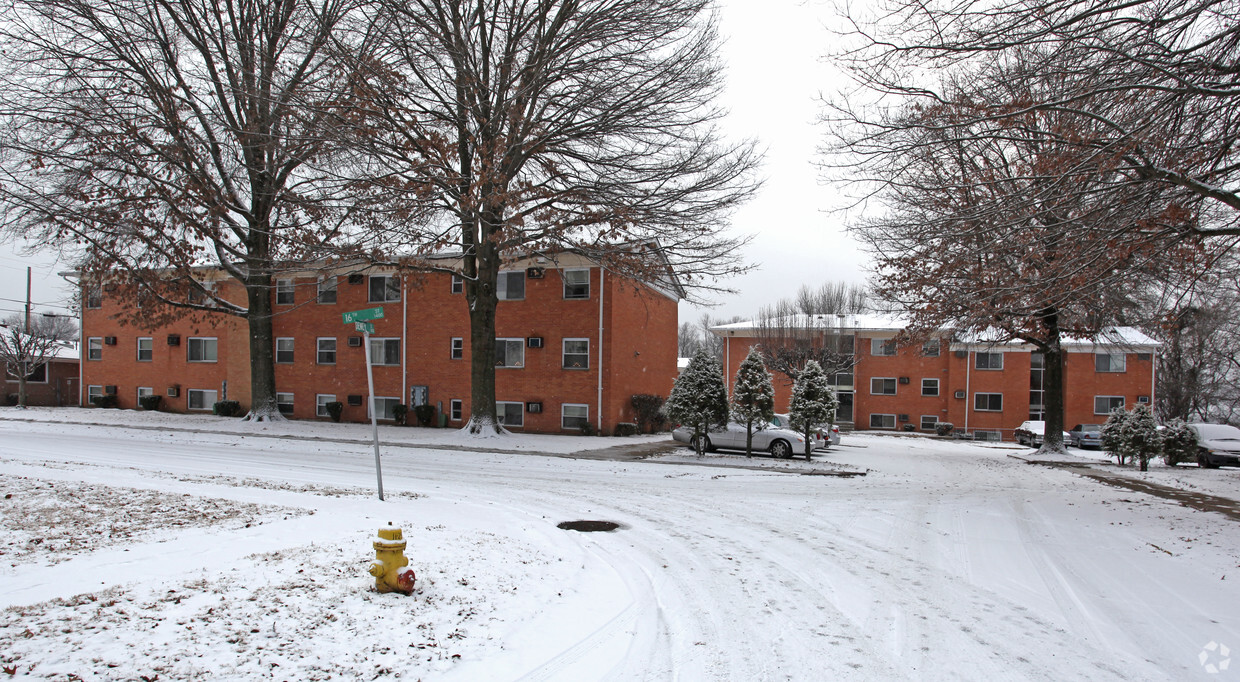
{"x":574,"y":343}
{"x":53,"y":384}
{"x":983,"y":388}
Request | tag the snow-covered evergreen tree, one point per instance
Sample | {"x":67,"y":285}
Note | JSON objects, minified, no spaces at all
{"x":753,"y":397}
{"x":813,"y":403}
{"x":1113,"y":435}
{"x":1132,"y":435}
{"x":699,"y":398}
{"x":1179,"y":443}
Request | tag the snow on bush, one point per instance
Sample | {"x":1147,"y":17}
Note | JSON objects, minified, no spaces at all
{"x":699,"y":398}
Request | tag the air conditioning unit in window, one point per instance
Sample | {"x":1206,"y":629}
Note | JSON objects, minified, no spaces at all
{"x":533,"y":408}
{"x":534,"y":342}
{"x":535,"y":273}
{"x":110,"y":390}
{"x":960,"y":395}
{"x":962,"y":353}
{"x":1144,"y":399}
{"x":1144,"y":356}
{"x":174,"y":339}
{"x":174,"y":390}
{"x":109,"y":340}
{"x":904,"y":417}
{"x":356,"y":278}
{"x":355,"y":342}
{"x":355,"y":400}
{"x":904,"y":380}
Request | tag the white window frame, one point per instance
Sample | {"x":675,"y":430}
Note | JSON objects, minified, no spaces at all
{"x":456,"y":409}
{"x":385,"y":413}
{"x":390,"y":292}
{"x":286,"y":292}
{"x":150,"y":348}
{"x":990,"y":354}
{"x":987,"y":408}
{"x":879,"y":348}
{"x":93,"y":392}
{"x":509,"y":343}
{"x":520,"y":411}
{"x":12,"y":370}
{"x":924,"y":385}
{"x":883,"y":426}
{"x":291,"y":350}
{"x":384,"y":343}
{"x":932,"y":425}
{"x":318,"y":350}
{"x":501,"y":287}
{"x":458,"y":284}
{"x":457,"y":349}
{"x":203,"y":392}
{"x":325,"y":288}
{"x":280,"y":402}
{"x":936,"y":344}
{"x":564,"y":354}
{"x":565,"y":276}
{"x":585,"y":419}
{"x":894,"y":384}
{"x":1111,"y":363}
{"x":1123,"y":403}
{"x":92,"y":298}
{"x":94,"y":348}
{"x":214,"y":345}
{"x":320,"y":405}
{"x":144,"y":391}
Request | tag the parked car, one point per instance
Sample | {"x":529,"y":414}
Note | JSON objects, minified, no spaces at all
{"x":1031,"y":433}
{"x":781,"y":443}
{"x":1217,"y":445}
{"x":822,"y":439}
{"x":1085,"y":436}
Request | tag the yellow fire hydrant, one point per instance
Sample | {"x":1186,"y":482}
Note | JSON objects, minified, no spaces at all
{"x":390,"y":567}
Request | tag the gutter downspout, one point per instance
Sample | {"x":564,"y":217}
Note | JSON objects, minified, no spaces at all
{"x":1153,"y":376}
{"x":82,"y":344}
{"x":968,"y":374}
{"x":727,"y":364}
{"x":599,"y":416}
{"x":404,"y":346}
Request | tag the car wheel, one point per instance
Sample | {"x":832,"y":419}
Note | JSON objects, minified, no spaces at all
{"x":1204,"y":462}
{"x":706,"y":446}
{"x":780,"y":449}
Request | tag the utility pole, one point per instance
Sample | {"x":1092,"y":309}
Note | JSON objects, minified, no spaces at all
{"x":23,"y":341}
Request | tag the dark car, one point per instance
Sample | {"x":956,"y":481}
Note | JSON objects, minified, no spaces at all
{"x":1217,"y":445}
{"x":1085,"y":436}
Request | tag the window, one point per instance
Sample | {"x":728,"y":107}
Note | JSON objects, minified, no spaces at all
{"x":458,"y":348}
{"x":988,"y":402}
{"x":200,"y":292}
{"x":987,"y":360}
{"x":284,"y":403}
{"x":1110,"y":362}
{"x":574,"y":416}
{"x":842,"y":380}
{"x":326,"y":352}
{"x":285,"y":294}
{"x":512,"y":285}
{"x":384,"y":351}
{"x":200,"y":399}
{"x":202,"y":349}
{"x":327,"y":290}
{"x":144,"y":391}
{"x":883,"y":386}
{"x":455,"y":408}
{"x":882,"y":347}
{"x":930,"y":349}
{"x":284,"y":351}
{"x":844,"y":344}
{"x":94,"y":295}
{"x":93,"y":394}
{"x":510,"y":414}
{"x":38,"y":375}
{"x":882,"y":421}
{"x":576,"y":353}
{"x":576,"y":284}
{"x":994,"y":436}
{"x":1105,"y":404}
{"x":458,"y":284}
{"x":509,"y":352}
{"x":929,"y":386}
{"x":94,"y":348}
{"x":928,"y":422}
{"x":384,"y":288}
{"x":320,"y":403}
{"x":383,"y":407}
{"x":146,"y":349}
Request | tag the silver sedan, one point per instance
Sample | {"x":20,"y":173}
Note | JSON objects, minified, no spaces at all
{"x":781,"y":443}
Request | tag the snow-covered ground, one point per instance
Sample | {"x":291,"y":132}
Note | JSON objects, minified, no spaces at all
{"x":947,"y":560}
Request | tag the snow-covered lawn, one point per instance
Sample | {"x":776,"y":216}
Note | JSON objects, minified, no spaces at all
{"x":948,"y":560}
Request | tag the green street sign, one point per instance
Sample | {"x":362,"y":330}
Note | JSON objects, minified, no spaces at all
{"x":360,"y":315}
{"x":364,"y":327}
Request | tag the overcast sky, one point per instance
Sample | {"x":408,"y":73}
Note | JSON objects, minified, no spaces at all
{"x":775,"y":74}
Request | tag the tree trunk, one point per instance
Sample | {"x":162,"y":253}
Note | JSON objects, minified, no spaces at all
{"x":483,"y":300}
{"x":1052,"y":385}
{"x":21,"y":385}
{"x":262,"y":343}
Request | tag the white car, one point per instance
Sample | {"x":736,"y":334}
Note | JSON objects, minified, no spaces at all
{"x":823,"y":438}
{"x":1031,"y":433}
{"x":1217,"y":445}
{"x":781,"y":443}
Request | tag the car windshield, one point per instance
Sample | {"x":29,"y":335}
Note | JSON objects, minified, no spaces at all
{"x":1091,"y":428}
{"x":1217,"y":432}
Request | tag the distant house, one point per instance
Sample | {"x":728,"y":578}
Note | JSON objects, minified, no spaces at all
{"x":983,"y":388}
{"x":54,"y":384}
{"x":574,"y":343}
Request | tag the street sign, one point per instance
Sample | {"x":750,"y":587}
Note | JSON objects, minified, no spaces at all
{"x":364,"y":327}
{"x":360,"y":315}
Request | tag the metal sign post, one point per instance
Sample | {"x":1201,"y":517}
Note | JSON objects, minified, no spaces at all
{"x":358,"y":318}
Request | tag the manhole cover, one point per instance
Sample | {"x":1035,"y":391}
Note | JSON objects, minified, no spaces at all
{"x":588,"y":526}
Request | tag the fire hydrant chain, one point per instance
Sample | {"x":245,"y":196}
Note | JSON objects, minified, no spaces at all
{"x":390,"y":567}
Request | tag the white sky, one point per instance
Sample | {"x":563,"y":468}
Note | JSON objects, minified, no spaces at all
{"x":775,"y":74}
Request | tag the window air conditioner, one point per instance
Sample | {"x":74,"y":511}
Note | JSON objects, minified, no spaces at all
{"x":904,"y":417}
{"x":533,"y":408}
{"x":1143,"y":399}
{"x":174,"y":390}
{"x":355,"y":400}
{"x":109,"y":340}
{"x":110,"y":390}
{"x":962,"y":353}
{"x":904,"y":380}
{"x":355,"y":342}
{"x":174,"y":339}
{"x":535,"y":273}
{"x":534,"y":342}
{"x":356,"y":278}
{"x":960,"y":395}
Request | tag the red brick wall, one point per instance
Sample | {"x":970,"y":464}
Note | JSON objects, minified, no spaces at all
{"x":61,"y":387}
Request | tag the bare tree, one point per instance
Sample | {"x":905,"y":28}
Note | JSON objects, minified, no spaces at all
{"x":25,"y":347}
{"x":167,"y":135}
{"x":813,"y":325}
{"x":555,"y":126}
